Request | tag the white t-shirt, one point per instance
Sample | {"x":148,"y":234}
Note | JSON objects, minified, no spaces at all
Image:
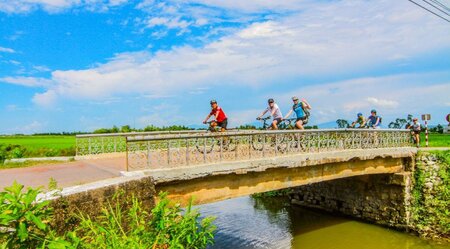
{"x":277,"y":113}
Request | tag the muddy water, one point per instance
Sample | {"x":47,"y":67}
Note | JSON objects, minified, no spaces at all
{"x":273,"y":223}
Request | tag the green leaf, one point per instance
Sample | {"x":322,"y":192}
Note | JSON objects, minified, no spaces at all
{"x":38,"y":222}
{"x":22,"y":233}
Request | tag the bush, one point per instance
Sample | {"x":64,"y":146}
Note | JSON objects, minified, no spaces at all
{"x":430,"y":207}
{"x":24,"y":223}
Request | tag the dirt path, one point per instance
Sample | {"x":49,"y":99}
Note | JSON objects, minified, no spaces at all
{"x":65,"y":174}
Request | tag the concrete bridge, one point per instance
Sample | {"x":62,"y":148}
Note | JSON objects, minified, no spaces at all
{"x":217,"y":166}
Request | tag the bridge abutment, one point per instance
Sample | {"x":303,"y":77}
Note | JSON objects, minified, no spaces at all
{"x":382,"y":199}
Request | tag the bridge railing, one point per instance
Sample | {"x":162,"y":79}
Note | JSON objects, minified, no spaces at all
{"x":98,"y":144}
{"x":163,"y":151}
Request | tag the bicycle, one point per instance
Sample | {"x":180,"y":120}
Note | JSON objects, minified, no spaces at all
{"x":205,"y":146}
{"x":258,"y":141}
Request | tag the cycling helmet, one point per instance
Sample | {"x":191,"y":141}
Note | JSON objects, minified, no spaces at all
{"x":270,"y":101}
{"x":213,"y":101}
{"x":373,"y":110}
{"x":294,"y":98}
{"x":359,"y":114}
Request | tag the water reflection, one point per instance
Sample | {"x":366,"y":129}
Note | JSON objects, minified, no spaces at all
{"x":272,"y":223}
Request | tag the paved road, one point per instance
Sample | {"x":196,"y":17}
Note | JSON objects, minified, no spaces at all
{"x":65,"y":174}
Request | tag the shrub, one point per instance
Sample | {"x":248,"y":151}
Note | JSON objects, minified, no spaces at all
{"x":24,"y":223}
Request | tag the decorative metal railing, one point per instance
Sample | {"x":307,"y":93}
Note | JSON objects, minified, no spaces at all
{"x":97,"y":144}
{"x":164,"y":151}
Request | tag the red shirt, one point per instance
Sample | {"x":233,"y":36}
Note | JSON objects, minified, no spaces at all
{"x":221,"y":117}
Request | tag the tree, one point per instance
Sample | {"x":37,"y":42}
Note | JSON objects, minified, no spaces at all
{"x":400,"y":122}
{"x":125,"y":128}
{"x":342,"y":123}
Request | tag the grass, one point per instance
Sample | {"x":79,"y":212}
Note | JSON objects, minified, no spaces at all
{"x":37,"y":142}
{"x":36,"y":146}
{"x":435,"y":140}
{"x":27,"y":164}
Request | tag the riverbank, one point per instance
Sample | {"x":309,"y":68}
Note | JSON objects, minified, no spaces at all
{"x":430,"y":203}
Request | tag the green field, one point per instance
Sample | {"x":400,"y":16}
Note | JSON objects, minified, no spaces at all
{"x":36,"y":146}
{"x":37,"y":142}
{"x":435,"y":140}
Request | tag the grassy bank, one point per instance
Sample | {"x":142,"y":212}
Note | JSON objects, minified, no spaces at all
{"x":431,"y":195}
{"x":25,"y":223}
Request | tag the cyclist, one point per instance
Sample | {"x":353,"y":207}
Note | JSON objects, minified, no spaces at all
{"x":274,"y":112}
{"x":220,"y":116}
{"x":374,"y":121}
{"x":415,"y":131}
{"x":299,"y":109}
{"x":359,"y":120}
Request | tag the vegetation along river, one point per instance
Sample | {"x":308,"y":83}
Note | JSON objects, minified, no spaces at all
{"x":271,"y":222}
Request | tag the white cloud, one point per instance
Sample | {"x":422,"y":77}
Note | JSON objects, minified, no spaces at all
{"x":24,"y":6}
{"x":7,"y":50}
{"x":46,"y":99}
{"x":396,"y":95}
{"x":324,"y":39}
{"x":33,"y":127}
{"x":175,"y":23}
{"x":385,"y":103}
{"x":27,"y":81}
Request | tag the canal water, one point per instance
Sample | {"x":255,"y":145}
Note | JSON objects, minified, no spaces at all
{"x":248,"y":223}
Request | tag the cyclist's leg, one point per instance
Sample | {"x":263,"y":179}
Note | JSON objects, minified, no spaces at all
{"x":223,"y":125}
{"x":275,"y":124}
{"x":299,"y":124}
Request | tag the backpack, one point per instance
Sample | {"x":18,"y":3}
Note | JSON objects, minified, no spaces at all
{"x":305,"y":110}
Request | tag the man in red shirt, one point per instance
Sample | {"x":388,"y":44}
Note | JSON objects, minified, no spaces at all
{"x":221,"y":117}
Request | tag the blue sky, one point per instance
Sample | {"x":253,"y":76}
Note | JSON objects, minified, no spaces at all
{"x":78,"y":65}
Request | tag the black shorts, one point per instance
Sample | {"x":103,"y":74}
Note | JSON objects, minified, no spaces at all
{"x":223,"y":124}
{"x":416,"y":132}
{"x":303,"y":119}
{"x":278,"y":120}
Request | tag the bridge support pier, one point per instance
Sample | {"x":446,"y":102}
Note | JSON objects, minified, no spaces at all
{"x":382,"y":199}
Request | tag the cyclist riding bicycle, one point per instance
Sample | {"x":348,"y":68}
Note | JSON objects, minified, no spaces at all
{"x":359,"y":120}
{"x":275,"y":112}
{"x":221,"y":119}
{"x":415,"y":131}
{"x":374,"y":121}
{"x":299,"y":109}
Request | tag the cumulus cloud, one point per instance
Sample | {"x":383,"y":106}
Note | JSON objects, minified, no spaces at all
{"x":46,"y":99}
{"x":323,"y":40}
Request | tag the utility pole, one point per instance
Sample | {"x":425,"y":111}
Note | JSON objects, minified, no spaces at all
{"x":426,"y":117}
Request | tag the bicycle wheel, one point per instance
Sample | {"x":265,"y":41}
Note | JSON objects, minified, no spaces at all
{"x":205,"y":145}
{"x":258,"y":142}
{"x":229,"y":144}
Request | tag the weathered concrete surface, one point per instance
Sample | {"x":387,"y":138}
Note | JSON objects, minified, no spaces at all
{"x":382,"y":199}
{"x":260,"y":165}
{"x":210,"y":183}
{"x":89,"y":199}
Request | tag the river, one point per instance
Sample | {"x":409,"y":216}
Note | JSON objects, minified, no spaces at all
{"x":249,"y":223}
